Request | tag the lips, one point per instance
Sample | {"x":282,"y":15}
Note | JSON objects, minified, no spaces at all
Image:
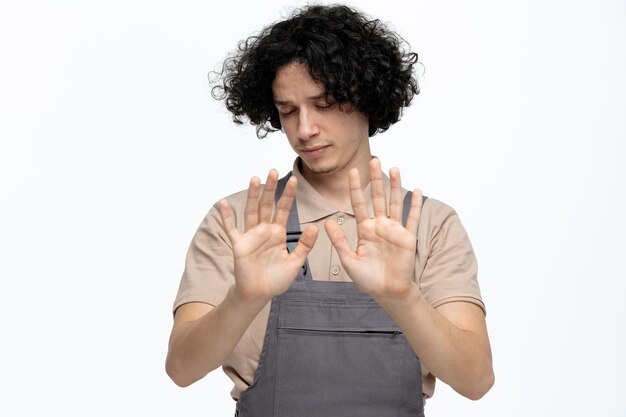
{"x":314,"y":151}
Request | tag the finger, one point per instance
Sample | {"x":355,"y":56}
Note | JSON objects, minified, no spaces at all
{"x":395,"y":195}
{"x":229,"y":221}
{"x":413,"y":219}
{"x":251,"y":211}
{"x":305,"y":244}
{"x":266,"y":201}
{"x":283,"y":207}
{"x":339,"y":240}
{"x":379,"y":199}
{"x":356,"y":197}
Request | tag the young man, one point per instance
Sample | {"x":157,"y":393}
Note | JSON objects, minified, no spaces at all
{"x":379,"y":294}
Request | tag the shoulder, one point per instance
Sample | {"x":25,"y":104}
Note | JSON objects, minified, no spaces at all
{"x":236,"y":202}
{"x":210,"y":235}
{"x":440,"y":229}
{"x":436,"y":209}
{"x":435,"y":214}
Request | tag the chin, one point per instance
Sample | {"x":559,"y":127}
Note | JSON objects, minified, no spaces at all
{"x":321,"y":169}
{"x":324,"y":170}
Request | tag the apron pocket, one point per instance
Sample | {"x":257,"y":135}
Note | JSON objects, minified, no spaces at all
{"x":359,"y":372}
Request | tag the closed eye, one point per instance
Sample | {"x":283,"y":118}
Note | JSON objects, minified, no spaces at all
{"x":286,"y":111}
{"x":326,"y":106}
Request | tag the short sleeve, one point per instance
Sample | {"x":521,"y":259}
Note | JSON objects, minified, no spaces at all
{"x":447,"y":267}
{"x":209,"y":269}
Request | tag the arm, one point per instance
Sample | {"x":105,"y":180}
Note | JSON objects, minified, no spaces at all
{"x":202,"y":336}
{"x":451,"y":340}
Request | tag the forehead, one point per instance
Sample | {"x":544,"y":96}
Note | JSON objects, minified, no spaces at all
{"x":294,"y":81}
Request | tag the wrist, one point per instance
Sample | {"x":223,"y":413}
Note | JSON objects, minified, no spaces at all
{"x":247,"y":300}
{"x":406,"y":298}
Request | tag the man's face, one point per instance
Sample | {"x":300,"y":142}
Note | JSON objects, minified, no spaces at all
{"x":327,"y":139}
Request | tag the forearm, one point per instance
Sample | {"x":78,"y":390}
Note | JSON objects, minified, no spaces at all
{"x":197,"y":347}
{"x":459,"y":357}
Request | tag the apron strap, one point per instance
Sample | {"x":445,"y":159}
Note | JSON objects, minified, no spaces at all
{"x":406,"y":206}
{"x":293,"y":227}
{"x":293,"y":222}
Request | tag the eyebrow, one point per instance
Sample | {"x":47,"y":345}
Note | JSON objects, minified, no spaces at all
{"x":316,"y":97}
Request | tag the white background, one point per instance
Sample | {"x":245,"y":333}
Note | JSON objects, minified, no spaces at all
{"x":112,"y":151}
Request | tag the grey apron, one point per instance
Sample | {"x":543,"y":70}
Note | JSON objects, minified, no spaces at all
{"x":331,"y":350}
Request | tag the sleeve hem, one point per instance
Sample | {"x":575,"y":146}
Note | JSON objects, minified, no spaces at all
{"x":199,"y":298}
{"x":469,"y":298}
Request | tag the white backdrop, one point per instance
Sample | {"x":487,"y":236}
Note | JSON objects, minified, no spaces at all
{"x":112,"y":151}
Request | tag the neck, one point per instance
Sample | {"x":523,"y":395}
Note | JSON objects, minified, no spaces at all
{"x":334,"y":186}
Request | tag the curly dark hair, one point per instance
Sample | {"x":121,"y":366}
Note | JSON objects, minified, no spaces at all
{"x":358,"y":60}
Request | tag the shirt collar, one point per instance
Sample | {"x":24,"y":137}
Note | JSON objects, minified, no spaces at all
{"x":312,"y":206}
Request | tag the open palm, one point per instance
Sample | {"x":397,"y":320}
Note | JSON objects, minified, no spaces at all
{"x":263,"y":266}
{"x":384,"y":260}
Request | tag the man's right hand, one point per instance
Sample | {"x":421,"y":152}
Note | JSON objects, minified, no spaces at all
{"x":203,"y":336}
{"x":263,"y":266}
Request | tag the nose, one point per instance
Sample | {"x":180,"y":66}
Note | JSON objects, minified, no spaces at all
{"x":307,"y":125}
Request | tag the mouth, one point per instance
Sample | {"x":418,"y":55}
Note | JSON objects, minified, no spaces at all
{"x":314,"y":151}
